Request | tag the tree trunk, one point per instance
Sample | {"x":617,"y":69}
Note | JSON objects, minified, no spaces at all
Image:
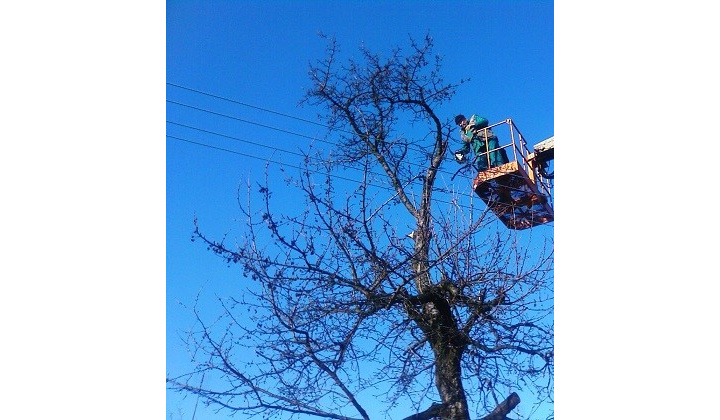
{"x":449,"y":384}
{"x":448,"y":347}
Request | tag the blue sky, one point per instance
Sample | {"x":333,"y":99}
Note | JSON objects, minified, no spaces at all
{"x":97,"y":198}
{"x":246,"y":63}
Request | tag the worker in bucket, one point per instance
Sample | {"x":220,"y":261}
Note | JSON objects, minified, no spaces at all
{"x":475,"y":134}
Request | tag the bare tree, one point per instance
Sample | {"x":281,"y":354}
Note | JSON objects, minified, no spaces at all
{"x":346,"y":304}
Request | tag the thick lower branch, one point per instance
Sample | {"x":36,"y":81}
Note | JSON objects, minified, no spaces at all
{"x":504,"y":408}
{"x":430,"y":413}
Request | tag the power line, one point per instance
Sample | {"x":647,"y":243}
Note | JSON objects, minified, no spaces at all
{"x":332,"y":175}
{"x":212,"y":95}
{"x":261,"y":145}
{"x":272,"y":161}
{"x":273,"y":128}
{"x":249,"y":122}
{"x":251,"y":106}
{"x":235,"y":138}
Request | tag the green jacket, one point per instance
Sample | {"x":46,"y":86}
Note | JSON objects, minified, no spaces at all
{"x":481,"y":140}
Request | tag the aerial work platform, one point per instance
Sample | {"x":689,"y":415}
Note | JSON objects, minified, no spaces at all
{"x":518,"y":192}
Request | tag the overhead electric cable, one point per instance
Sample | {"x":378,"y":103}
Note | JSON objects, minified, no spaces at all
{"x":417,"y":148}
{"x":273,"y":161}
{"x":249,"y":122}
{"x":264,"y":145}
{"x":248,"y":105}
{"x":277,"y":129}
{"x":235,"y":138}
{"x":390,"y":189}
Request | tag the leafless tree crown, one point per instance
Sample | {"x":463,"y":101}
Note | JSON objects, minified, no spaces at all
{"x":347,"y":308}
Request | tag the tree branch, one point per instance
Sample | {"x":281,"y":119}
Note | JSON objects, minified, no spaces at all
{"x":501,"y":411}
{"x":430,"y":413}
